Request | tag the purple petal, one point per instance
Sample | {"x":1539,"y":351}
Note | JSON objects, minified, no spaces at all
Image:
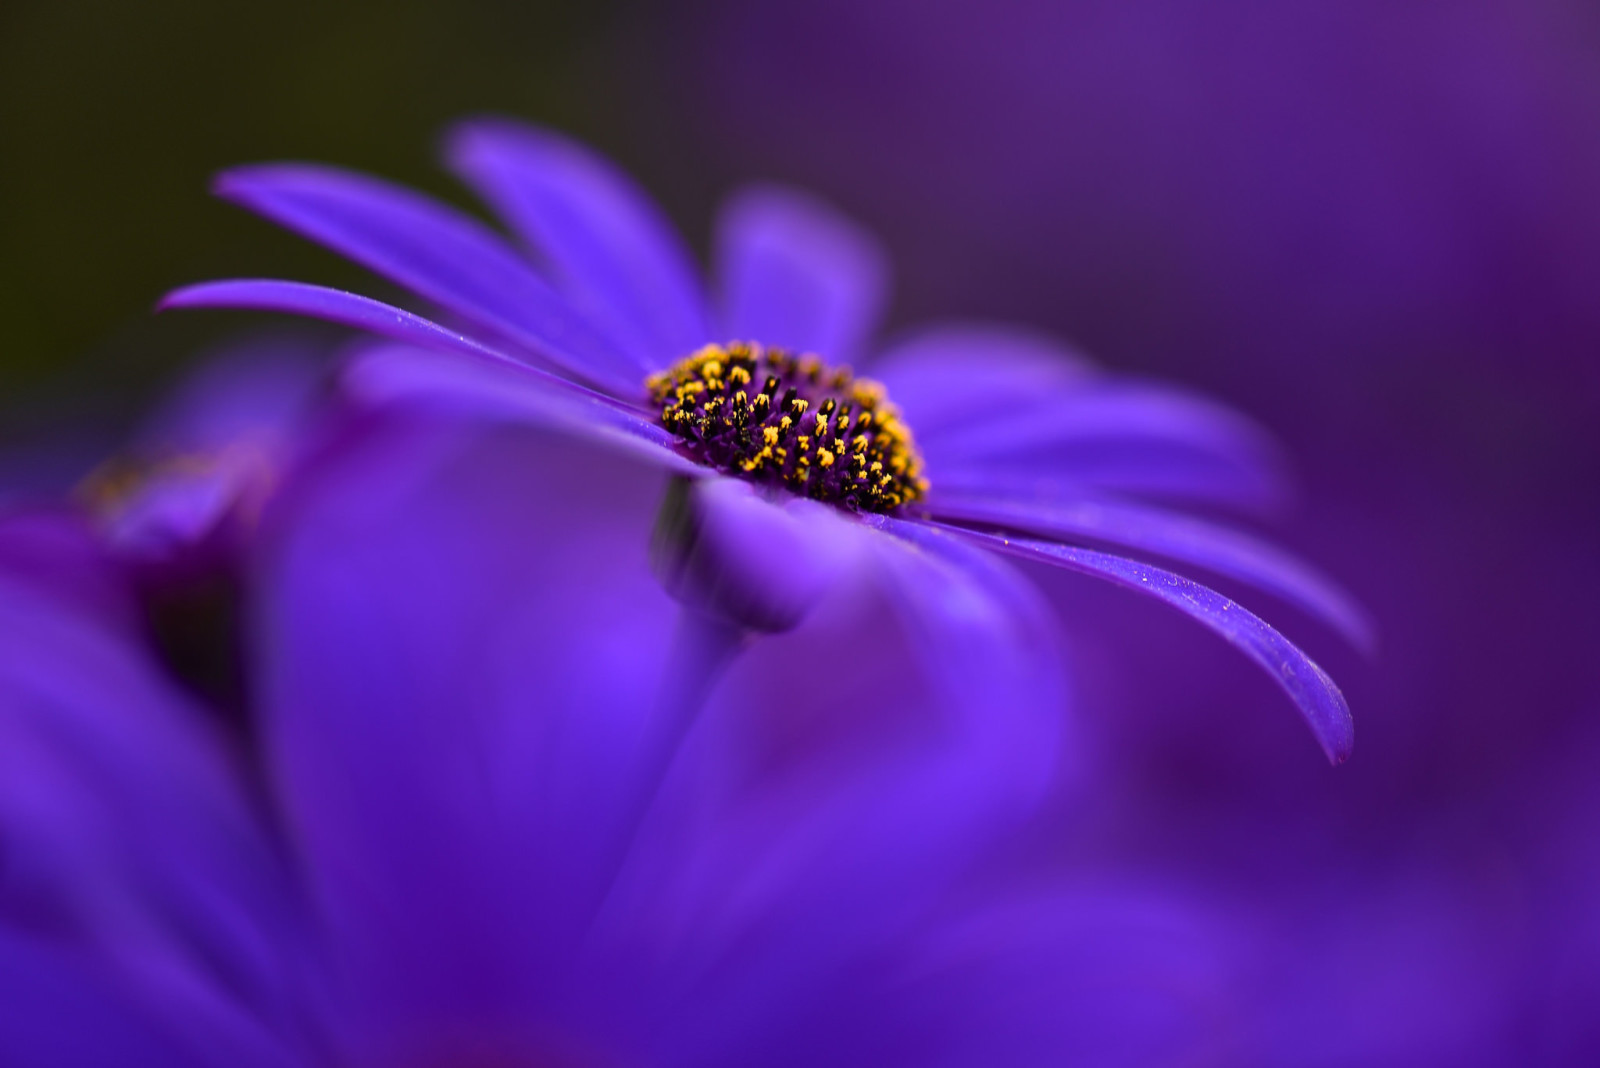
{"x":1312,"y":691}
{"x":438,"y":253}
{"x":1227,"y":552}
{"x":59,"y":1006}
{"x":499,"y":384}
{"x":949,"y":375}
{"x":257,"y":389}
{"x":1140,"y":472}
{"x":1119,"y":435}
{"x":337,"y":306}
{"x":175,"y":510}
{"x":1110,"y":410}
{"x":126,"y":827}
{"x":796,"y":274}
{"x":57,"y":548}
{"x":717,"y":553}
{"x":609,"y":246}
{"x":505,"y":392}
{"x":829,"y":856}
{"x":986,"y":641}
{"x":456,"y":676}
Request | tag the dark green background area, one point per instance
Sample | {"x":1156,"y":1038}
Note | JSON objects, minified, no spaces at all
{"x":115,"y":114}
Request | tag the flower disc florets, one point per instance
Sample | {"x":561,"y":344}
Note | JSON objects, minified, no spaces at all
{"x":770,"y":416}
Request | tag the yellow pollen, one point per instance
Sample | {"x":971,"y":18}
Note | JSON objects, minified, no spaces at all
{"x":765,"y":435}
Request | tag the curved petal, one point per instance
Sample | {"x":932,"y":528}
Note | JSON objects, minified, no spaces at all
{"x":609,"y":246}
{"x":1312,"y":691}
{"x":59,"y":1009}
{"x":437,"y":252}
{"x":499,"y":384}
{"x":456,"y":679}
{"x":338,"y":306}
{"x":55,"y":547}
{"x":987,"y":642}
{"x":715,"y":544}
{"x":1227,"y":552}
{"x":504,"y":392}
{"x":175,"y":510}
{"x":128,"y":834}
{"x":797,"y":274}
{"x":258,"y":388}
{"x":1114,"y":436}
{"x":1108,"y":411}
{"x":883,"y":785}
{"x":1160,"y":473}
{"x":951,"y":374}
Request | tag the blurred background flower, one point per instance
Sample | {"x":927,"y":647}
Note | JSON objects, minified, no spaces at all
{"x":1372,"y":226}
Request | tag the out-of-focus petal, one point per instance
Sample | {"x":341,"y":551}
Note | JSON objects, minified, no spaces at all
{"x":456,"y":685}
{"x":609,"y":247}
{"x":175,"y":509}
{"x":127,"y":835}
{"x":724,"y":549}
{"x":258,"y":389}
{"x":1116,"y":975}
{"x":1178,"y":537}
{"x":1312,"y":691}
{"x":1117,"y":435}
{"x":986,"y":639}
{"x":1156,"y":473}
{"x":57,"y":549}
{"x":926,"y":730}
{"x":438,"y":253}
{"x":501,"y":393}
{"x":796,"y":274}
{"x":949,"y":375}
{"x":186,"y":490}
{"x":63,"y":1008}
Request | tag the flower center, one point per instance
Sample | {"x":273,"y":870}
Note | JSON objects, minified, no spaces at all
{"x":770,"y":416}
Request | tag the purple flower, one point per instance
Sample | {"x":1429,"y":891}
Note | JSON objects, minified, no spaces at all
{"x":199,"y":472}
{"x":451,"y":845}
{"x":996,"y":440}
{"x":178,"y":506}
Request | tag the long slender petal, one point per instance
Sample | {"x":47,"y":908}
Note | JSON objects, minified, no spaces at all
{"x":1312,"y":691}
{"x":1153,"y":472}
{"x":1178,"y":537}
{"x":1109,"y":410}
{"x":1122,"y":437}
{"x":608,"y":244}
{"x":795,"y":273}
{"x":496,"y":381}
{"x":955,"y":374}
{"x":439,"y":253}
{"x":333,"y":306}
{"x":442,"y":381}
